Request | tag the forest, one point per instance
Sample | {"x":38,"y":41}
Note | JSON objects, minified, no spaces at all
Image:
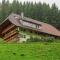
{"x":39,"y":11}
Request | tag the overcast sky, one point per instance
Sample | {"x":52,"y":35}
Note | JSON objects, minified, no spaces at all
{"x":50,"y":2}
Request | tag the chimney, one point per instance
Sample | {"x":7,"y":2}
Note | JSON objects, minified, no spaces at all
{"x":22,"y":15}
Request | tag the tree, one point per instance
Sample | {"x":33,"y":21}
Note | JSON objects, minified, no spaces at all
{"x":53,"y":15}
{"x":3,"y":9}
{"x":42,"y":12}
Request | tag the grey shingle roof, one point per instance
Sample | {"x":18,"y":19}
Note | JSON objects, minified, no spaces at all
{"x":46,"y":28}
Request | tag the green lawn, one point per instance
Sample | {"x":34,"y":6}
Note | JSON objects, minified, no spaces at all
{"x":31,"y":51}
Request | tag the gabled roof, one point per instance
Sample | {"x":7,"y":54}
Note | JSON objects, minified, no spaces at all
{"x":45,"y":28}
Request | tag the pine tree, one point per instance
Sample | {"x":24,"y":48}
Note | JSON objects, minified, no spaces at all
{"x":3,"y":10}
{"x":42,"y":12}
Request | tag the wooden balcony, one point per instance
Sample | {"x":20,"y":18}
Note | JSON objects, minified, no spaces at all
{"x":8,"y":28}
{"x":14,"y":30}
{"x":10,"y":35}
{"x":12,"y":38}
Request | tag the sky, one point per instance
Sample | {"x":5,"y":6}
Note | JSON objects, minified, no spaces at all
{"x":50,"y":2}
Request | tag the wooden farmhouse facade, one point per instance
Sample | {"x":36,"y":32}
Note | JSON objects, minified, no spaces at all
{"x":16,"y":28}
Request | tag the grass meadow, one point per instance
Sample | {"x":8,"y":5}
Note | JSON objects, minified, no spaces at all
{"x":30,"y":51}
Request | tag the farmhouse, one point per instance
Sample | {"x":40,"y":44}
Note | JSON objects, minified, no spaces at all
{"x":17,"y":28}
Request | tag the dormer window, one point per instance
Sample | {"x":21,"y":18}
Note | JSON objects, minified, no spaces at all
{"x":29,"y":24}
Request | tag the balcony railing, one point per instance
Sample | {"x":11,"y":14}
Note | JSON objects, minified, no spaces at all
{"x":12,"y":38}
{"x":8,"y":28}
{"x":9,"y":35}
{"x":10,"y":32}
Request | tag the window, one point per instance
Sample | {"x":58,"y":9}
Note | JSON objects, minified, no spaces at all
{"x":32,"y":25}
{"x":24,"y":36}
{"x":28,"y":24}
{"x":37,"y":26}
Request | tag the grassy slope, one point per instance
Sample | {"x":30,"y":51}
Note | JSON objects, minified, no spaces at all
{"x":31,"y":51}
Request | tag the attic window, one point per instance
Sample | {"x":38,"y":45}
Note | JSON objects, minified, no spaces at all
{"x":40,"y":26}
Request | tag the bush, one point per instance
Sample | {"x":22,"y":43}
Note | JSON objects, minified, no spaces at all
{"x":49,"y":40}
{"x":1,"y":41}
{"x":43,"y":39}
{"x":33,"y":39}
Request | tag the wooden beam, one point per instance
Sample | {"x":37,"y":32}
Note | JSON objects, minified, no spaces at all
{"x":7,"y":29}
{"x":11,"y":38}
{"x":14,"y":30}
{"x":10,"y":35}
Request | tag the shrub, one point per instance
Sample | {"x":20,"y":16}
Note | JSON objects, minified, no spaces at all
{"x":33,"y":39}
{"x":36,"y":39}
{"x":2,"y":41}
{"x":49,"y":40}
